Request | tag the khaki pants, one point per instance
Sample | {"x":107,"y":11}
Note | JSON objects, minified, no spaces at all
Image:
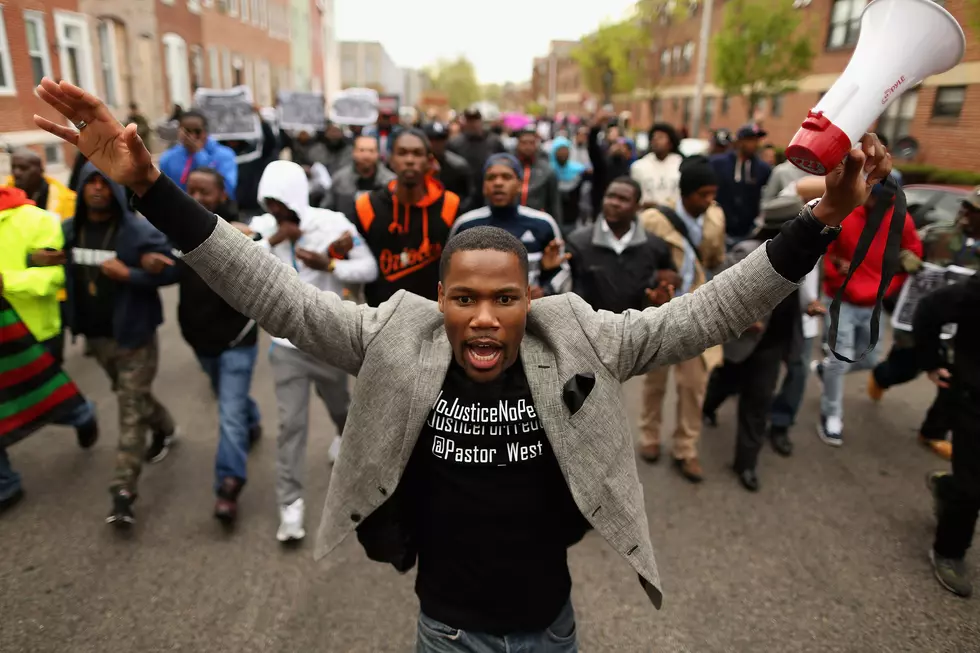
{"x":691,"y":377}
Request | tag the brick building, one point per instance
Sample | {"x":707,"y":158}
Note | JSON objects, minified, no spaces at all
{"x":943,"y":113}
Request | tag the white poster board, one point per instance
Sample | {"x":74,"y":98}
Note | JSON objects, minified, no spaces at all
{"x":355,"y":106}
{"x":301,"y":111}
{"x":917,"y":286}
{"x":229,"y":112}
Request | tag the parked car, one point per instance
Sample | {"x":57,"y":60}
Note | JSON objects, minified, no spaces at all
{"x":928,"y":203}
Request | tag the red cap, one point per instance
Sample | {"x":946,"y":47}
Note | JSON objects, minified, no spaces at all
{"x":818,"y":146}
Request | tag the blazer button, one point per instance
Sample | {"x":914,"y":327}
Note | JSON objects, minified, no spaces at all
{"x":383,"y":491}
{"x":355,"y":517}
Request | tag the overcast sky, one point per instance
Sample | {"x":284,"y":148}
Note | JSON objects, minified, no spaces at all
{"x":500,"y":37}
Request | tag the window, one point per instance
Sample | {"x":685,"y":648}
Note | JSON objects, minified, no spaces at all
{"x":264,"y":14}
{"x":845,"y":23}
{"x":197,"y":67}
{"x":54,"y":154}
{"x":709,"y":111}
{"x":256,"y":12}
{"x":686,"y":113}
{"x":896,"y":121}
{"x":175,"y":64}
{"x":224,"y":6}
{"x":658,"y":110}
{"x":74,"y":48}
{"x":37,"y":45}
{"x":233,"y":7}
{"x":214,"y":64}
{"x":949,"y":102}
{"x":225,"y":68}
{"x":724,"y":105}
{"x":245,"y":11}
{"x":776,"y":105}
{"x":7,"y":86}
{"x":194,"y":6}
{"x":686,"y":57}
{"x":665,"y":63}
{"x":107,"y":62}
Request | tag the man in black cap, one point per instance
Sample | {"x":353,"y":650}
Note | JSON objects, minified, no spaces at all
{"x":659,"y":172}
{"x":741,"y":177}
{"x":475,"y":145}
{"x":451,"y":169}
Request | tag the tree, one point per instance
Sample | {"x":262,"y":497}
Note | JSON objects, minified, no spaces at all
{"x":491,"y":93}
{"x":535,"y":109}
{"x":606,"y":57}
{"x":759,"y":51}
{"x":457,"y":79}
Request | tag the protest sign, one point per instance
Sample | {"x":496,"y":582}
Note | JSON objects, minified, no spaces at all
{"x":301,"y":111}
{"x":929,"y":278}
{"x":355,"y":106}
{"x":389,"y":104}
{"x":230,"y":114}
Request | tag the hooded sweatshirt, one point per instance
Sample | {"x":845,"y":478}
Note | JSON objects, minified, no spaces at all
{"x":177,"y":164}
{"x":659,"y":179}
{"x":32,"y":292}
{"x":407,"y":240}
{"x":134,"y":309}
{"x":286,"y":182}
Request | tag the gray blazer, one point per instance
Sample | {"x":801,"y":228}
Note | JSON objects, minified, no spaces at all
{"x":400,"y":353}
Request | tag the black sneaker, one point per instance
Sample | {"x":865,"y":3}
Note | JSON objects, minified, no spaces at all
{"x":160,"y":446}
{"x":951,"y":574}
{"x":779,"y":437}
{"x":121,"y":514}
{"x":11,"y":501}
{"x":254,"y":435}
{"x":88,"y":434}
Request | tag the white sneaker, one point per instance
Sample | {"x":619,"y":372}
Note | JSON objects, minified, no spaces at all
{"x":334,"y":452}
{"x":291,"y":522}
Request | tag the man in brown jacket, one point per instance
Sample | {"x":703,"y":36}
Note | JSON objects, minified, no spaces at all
{"x":695,"y":231}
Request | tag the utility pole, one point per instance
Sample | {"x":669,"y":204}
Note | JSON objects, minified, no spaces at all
{"x":704,"y":44}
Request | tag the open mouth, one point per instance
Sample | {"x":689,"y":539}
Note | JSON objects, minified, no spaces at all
{"x":484,"y":354}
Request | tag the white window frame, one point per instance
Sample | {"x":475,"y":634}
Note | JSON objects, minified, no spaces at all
{"x":232,"y":7}
{"x":37,"y":19}
{"x":264,"y":14}
{"x":63,"y":19}
{"x":246,"y":13}
{"x":10,"y":88}
{"x":256,"y":12}
{"x":109,"y":58}
{"x":177,"y":64}
{"x":194,"y":6}
{"x":226,"y":76}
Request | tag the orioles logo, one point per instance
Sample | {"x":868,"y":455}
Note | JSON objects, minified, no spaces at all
{"x":395,"y":266}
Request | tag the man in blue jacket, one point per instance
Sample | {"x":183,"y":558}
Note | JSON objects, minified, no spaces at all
{"x":741,"y":177}
{"x":196,"y":149}
{"x":115,"y":304}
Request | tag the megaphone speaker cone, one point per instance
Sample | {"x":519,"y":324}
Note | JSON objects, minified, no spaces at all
{"x":901,"y":43}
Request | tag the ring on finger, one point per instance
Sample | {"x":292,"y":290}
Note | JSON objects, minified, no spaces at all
{"x":80,"y":125}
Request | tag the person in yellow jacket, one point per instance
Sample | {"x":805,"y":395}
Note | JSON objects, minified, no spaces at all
{"x":27,"y":170}
{"x":26,"y":232}
{"x":695,"y":230}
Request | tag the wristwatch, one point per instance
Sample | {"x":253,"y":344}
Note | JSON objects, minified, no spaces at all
{"x":825,"y":230}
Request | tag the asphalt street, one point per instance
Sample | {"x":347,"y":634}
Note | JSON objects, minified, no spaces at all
{"x":831,"y":555}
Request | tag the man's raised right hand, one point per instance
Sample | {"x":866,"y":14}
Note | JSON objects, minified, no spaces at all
{"x":116,"y":151}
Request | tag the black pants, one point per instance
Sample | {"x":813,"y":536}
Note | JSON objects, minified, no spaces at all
{"x":754,"y":381}
{"x":960,"y":492}
{"x":900,"y":367}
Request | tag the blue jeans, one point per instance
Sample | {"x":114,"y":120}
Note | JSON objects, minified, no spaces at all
{"x":787,"y":402}
{"x":853,"y":337}
{"x":238,"y":414}
{"x":9,"y":479}
{"x":559,"y":637}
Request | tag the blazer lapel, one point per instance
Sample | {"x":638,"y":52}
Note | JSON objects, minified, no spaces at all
{"x":541,"y":370}
{"x":433,"y":364}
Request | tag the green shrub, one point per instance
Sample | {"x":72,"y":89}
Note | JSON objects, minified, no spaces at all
{"x":918,"y":173}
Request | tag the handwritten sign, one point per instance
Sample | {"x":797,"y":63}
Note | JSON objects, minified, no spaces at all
{"x":301,"y":111}
{"x":229,"y":112}
{"x":355,"y":106}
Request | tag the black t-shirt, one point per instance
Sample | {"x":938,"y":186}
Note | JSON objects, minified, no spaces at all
{"x":95,"y":299}
{"x":494,"y":515}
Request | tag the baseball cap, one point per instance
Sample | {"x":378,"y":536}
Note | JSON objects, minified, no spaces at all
{"x":751,"y":131}
{"x":973,"y":199}
{"x":723,"y":137}
{"x":436,"y":130}
{"x":473,"y":114}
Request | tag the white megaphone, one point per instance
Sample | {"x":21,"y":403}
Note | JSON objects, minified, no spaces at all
{"x":901,"y":43}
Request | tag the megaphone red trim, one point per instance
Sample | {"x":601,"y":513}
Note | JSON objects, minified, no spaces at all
{"x":819,"y":145}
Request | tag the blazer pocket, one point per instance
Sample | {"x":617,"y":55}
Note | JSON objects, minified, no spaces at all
{"x":577,"y":391}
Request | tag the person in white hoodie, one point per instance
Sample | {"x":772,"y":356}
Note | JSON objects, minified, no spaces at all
{"x":302,"y":236}
{"x":659,"y":172}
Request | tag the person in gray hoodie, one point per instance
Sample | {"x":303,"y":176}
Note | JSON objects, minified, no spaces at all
{"x":364,"y":174}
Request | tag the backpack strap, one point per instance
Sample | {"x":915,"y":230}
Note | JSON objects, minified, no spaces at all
{"x":678,"y":224}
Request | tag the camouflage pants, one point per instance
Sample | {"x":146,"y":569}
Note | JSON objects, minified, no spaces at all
{"x":132,"y":372}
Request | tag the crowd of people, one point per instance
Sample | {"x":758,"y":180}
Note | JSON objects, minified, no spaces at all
{"x":441,"y":237}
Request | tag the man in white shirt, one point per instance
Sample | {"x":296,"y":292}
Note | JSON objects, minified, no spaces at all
{"x":658,"y":173}
{"x":301,"y":236}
